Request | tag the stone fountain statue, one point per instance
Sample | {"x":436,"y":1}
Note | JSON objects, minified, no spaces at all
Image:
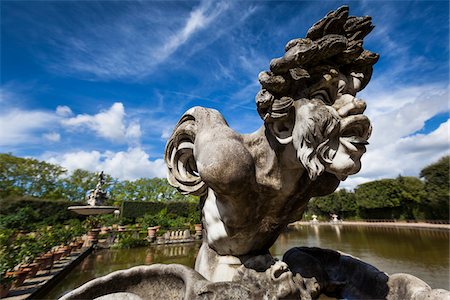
{"x":251,"y":186}
{"x":97,"y":196}
{"x":95,"y":200}
{"x":313,"y":136}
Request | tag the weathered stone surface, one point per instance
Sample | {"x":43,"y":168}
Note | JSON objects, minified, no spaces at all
{"x":163,"y":282}
{"x":313,"y":136}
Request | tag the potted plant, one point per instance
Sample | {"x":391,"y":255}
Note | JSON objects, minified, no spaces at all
{"x":5,"y":281}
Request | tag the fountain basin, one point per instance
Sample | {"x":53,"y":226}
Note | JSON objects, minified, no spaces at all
{"x":92,"y":210}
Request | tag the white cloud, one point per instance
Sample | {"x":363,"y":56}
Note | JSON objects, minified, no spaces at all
{"x":109,"y":124}
{"x":399,"y":113}
{"x":19,"y":127}
{"x":199,"y":18}
{"x":132,"y":43}
{"x":52,"y":136}
{"x":125,"y":165}
{"x":133,"y":131}
{"x":75,"y":160}
{"x":63,"y":110}
{"x":405,"y":157}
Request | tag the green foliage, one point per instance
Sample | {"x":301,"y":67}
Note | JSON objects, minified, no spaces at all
{"x":378,"y":193}
{"x":25,"y":176}
{"x":404,"y":198}
{"x":25,"y":213}
{"x":146,"y":189}
{"x":341,"y":202}
{"x":135,"y":209}
{"x":171,"y":215}
{"x":18,"y":248}
{"x":129,"y":240}
{"x":8,"y":253}
{"x":437,"y":189}
{"x":108,"y":220}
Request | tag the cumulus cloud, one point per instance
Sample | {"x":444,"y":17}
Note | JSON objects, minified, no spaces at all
{"x":126,"y":165}
{"x":109,"y":124}
{"x":20,"y":126}
{"x":399,"y":113}
{"x":394,"y":147}
{"x":63,"y":110}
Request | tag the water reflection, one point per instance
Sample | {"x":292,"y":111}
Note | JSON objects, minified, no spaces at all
{"x":421,"y":252}
{"x":103,"y":262}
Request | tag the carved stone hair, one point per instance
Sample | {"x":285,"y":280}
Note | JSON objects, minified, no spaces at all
{"x":316,"y":134}
{"x":336,"y":42}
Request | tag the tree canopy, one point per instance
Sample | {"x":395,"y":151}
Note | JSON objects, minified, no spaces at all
{"x":404,"y":197}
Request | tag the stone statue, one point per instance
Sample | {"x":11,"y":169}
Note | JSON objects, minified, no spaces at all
{"x":251,"y":186}
{"x":97,"y":196}
{"x":313,"y":136}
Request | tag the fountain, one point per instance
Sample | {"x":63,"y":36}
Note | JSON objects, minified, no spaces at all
{"x":252,"y":186}
{"x":95,"y":199}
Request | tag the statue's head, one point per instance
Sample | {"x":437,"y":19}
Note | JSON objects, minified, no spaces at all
{"x":308,"y":98}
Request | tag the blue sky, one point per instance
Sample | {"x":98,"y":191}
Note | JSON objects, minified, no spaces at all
{"x":100,"y":85}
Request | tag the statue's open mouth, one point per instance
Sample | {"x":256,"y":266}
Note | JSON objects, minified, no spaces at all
{"x":356,"y":130}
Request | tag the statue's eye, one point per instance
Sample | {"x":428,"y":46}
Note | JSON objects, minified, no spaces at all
{"x":322,"y":95}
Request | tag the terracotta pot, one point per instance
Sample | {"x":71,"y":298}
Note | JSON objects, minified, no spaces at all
{"x":19,"y":277}
{"x":42,"y":262}
{"x":31,"y":269}
{"x":58,"y":254}
{"x":4,"y":289}
{"x":198,"y":227}
{"x":49,"y":261}
{"x":34,"y":269}
{"x":104,"y":230}
{"x":151,"y":232}
{"x":65,"y":250}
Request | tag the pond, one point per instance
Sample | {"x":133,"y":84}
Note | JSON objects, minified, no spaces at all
{"x":421,"y":252}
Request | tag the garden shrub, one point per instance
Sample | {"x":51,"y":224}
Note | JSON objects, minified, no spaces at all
{"x":137,"y":209}
{"x":25,"y":213}
{"x":127,"y":240}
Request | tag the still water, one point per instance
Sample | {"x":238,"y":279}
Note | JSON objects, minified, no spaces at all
{"x":421,"y":252}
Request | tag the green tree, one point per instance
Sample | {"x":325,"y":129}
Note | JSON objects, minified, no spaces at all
{"x":30,"y":177}
{"x":341,"y":202}
{"x":379,"y":199}
{"x":437,"y":181}
{"x":413,"y":192}
{"x":147,"y":189}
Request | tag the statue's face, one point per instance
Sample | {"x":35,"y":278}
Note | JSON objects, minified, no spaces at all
{"x":341,"y":128}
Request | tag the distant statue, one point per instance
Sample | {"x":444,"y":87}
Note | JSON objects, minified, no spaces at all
{"x":97,"y":196}
{"x":334,"y":218}
{"x":313,"y":136}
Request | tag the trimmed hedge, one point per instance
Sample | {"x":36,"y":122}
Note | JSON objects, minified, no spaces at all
{"x":50,"y":211}
{"x":136,"y":209}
